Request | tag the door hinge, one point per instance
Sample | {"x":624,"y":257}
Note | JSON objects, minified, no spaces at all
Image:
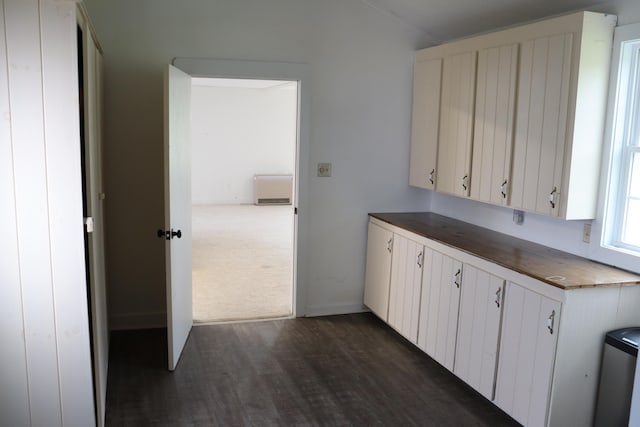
{"x":88,"y":224}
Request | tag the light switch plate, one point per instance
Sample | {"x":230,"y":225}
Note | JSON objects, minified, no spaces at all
{"x":324,"y":170}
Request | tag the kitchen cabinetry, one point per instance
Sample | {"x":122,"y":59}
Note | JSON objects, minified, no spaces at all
{"x":494,"y":122}
{"x":456,"y":123}
{"x":378,"y":270}
{"x":542,"y":152}
{"x":479,"y":329}
{"x":405,"y":286}
{"x":541,"y":124}
{"x":425,"y":123}
{"x":521,"y":323}
{"x":527,"y":353}
{"x":439,"y":307}
{"x":560,"y":113}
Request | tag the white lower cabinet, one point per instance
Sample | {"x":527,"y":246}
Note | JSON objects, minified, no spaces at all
{"x":496,"y":328}
{"x":405,"y":285}
{"x":378,"y":270}
{"x":527,"y":354}
{"x":497,"y":336}
{"x":479,"y":330}
{"x":441,"y":281}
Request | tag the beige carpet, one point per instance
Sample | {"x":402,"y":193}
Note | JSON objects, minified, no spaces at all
{"x":242,"y":262}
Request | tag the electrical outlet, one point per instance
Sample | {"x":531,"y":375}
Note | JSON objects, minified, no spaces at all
{"x":324,"y":170}
{"x":518,"y":216}
{"x":586,"y":233}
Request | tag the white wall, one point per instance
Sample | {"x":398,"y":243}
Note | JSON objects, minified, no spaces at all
{"x":238,"y":132}
{"x":560,"y":234}
{"x":360,"y":61}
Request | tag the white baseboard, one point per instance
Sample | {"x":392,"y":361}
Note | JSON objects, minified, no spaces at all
{"x":124,"y":321}
{"x":328,"y":310}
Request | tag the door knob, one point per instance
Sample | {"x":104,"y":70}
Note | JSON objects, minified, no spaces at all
{"x":177,"y":234}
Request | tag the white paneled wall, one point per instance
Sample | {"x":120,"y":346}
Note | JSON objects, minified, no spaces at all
{"x":45,"y":372}
{"x":14,"y":404}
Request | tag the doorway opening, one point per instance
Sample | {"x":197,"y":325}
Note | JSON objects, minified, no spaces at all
{"x":244,"y":137}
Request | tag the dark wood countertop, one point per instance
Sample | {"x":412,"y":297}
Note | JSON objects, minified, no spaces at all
{"x":557,"y":268}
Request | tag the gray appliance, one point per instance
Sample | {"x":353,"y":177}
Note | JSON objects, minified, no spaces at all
{"x":616,"y":377}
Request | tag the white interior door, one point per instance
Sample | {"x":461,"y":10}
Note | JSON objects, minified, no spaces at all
{"x":94,"y":211}
{"x":177,"y":205}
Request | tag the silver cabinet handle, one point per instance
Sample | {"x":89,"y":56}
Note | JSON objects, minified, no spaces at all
{"x":498,"y":297}
{"x":465,"y":184}
{"x":503,"y":189}
{"x":456,"y":278}
{"x":431,"y":176}
{"x":552,"y":197}
{"x":419,"y":261}
{"x":390,"y":245}
{"x":551,"y":320}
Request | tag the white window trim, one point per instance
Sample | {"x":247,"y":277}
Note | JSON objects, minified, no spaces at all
{"x":627,"y":81}
{"x":605,"y":247}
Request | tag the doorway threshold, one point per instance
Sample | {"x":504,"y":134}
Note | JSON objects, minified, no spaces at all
{"x":226,"y":322}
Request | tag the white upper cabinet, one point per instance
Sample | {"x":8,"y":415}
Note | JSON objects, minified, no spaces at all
{"x":525,"y":129}
{"x":560,"y":118}
{"x":494,"y":120}
{"x":541,"y":124}
{"x":424,"y":123}
{"x":456,"y":123}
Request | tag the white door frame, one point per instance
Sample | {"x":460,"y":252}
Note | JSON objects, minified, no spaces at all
{"x":234,"y":69}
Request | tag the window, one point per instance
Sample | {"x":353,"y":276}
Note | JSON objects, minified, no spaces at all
{"x":622,"y":220}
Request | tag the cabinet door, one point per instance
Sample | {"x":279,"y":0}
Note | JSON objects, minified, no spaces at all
{"x":441,"y":281}
{"x":378,"y":270}
{"x":456,"y":124}
{"x":527,"y":352}
{"x":494,"y":121}
{"x":479,"y":329}
{"x":541,"y":123}
{"x":424,"y":123}
{"x":406,"y":283}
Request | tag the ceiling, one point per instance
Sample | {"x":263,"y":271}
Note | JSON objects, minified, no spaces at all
{"x":442,"y":20}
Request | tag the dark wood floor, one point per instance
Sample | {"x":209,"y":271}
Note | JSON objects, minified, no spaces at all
{"x":349,"y":370}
